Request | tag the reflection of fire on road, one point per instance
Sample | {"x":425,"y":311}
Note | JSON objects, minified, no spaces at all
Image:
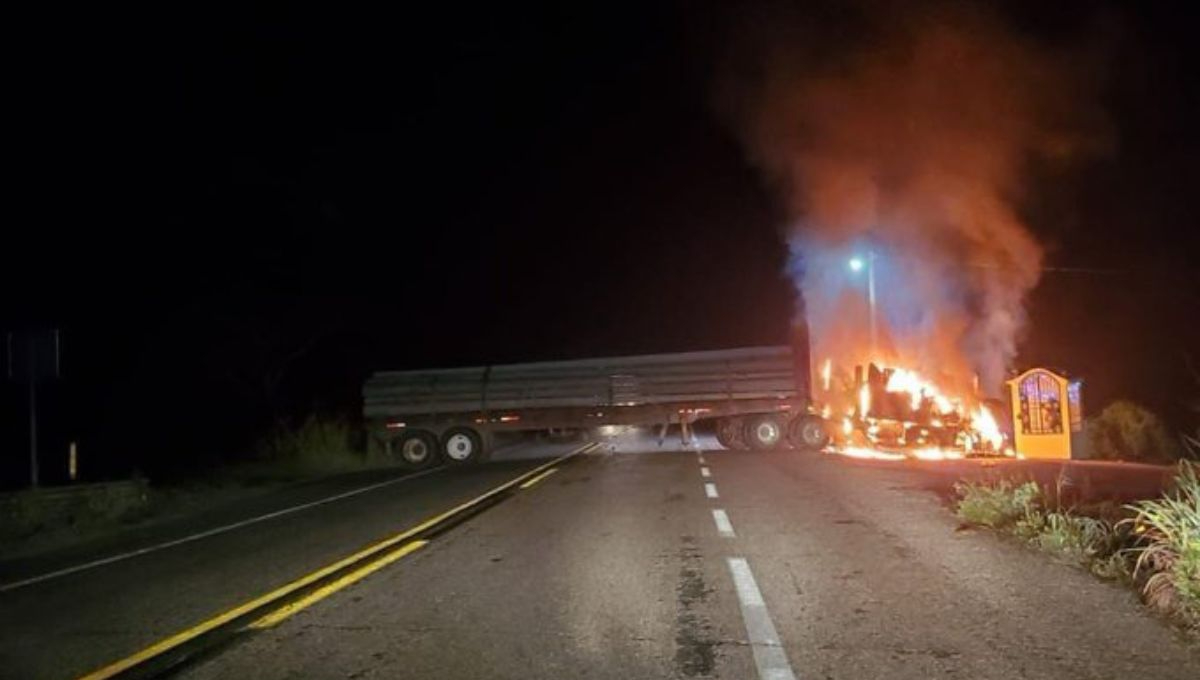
{"x":893,"y":413}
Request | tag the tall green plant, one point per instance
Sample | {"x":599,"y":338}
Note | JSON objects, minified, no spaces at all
{"x":1169,"y":548}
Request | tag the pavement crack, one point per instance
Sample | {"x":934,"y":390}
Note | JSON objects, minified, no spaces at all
{"x":695,"y":649}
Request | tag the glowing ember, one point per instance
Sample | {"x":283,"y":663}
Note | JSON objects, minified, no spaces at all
{"x":868,"y":454}
{"x":864,"y":400}
{"x":934,"y":453}
{"x":826,"y":373}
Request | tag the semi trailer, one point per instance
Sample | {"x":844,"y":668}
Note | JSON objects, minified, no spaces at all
{"x":755,"y":397}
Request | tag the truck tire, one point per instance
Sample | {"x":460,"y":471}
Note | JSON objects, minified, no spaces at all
{"x":809,"y":432}
{"x":763,"y":432}
{"x":729,"y":433}
{"x":415,"y":449}
{"x":461,"y":446}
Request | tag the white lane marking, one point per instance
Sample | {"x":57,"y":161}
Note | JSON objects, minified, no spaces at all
{"x":705,"y":472}
{"x":710,"y":490}
{"x":222,"y":529}
{"x":205,"y":534}
{"x":724,"y":526}
{"x":769,"y":656}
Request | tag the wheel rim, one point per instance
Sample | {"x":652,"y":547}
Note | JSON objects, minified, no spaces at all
{"x":459,"y":446}
{"x":812,"y":434}
{"x":414,"y":450}
{"x":767,"y":433}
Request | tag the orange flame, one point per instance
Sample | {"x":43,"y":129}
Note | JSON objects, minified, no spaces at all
{"x":939,"y":427}
{"x":988,"y":430}
{"x":919,"y":389}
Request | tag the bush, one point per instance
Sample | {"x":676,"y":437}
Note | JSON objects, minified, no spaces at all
{"x":317,"y":446}
{"x":997,"y":505}
{"x":1127,"y":431}
{"x":1169,"y":550}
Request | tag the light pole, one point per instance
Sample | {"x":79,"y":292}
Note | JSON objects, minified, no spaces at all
{"x":856,"y":265}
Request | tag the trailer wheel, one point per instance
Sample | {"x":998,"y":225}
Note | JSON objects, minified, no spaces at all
{"x":763,"y":432}
{"x":461,"y":446}
{"x":729,"y":433}
{"x":808,"y":433}
{"x":415,"y":448}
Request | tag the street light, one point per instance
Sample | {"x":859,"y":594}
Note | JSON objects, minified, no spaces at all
{"x":856,"y":265}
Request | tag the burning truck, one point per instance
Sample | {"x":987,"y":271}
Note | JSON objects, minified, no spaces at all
{"x":753,"y":398}
{"x":891,"y":412}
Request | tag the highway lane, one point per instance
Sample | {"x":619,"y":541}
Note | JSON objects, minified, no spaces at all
{"x":617,"y":567}
{"x":66,"y":626}
{"x":876,"y":575}
{"x":609,"y":568}
{"x":622,"y":564}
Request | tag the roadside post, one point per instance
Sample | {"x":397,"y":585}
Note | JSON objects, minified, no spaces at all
{"x":33,"y":356}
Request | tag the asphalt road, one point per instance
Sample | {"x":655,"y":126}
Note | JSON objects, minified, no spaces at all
{"x":616,"y":565}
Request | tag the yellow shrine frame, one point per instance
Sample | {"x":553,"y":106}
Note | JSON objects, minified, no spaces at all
{"x":1047,"y":413}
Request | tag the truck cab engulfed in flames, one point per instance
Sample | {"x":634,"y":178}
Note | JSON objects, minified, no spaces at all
{"x":892,"y":412}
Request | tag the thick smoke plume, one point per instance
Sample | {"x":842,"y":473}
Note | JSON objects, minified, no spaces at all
{"x":909,"y":136}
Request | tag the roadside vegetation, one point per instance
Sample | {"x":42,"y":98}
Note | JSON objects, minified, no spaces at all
{"x":317,"y":446}
{"x":35,"y":520}
{"x":1125,"y":430}
{"x":1151,"y":545}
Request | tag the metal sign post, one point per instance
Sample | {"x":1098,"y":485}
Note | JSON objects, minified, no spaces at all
{"x":33,"y":356}
{"x":33,"y":457}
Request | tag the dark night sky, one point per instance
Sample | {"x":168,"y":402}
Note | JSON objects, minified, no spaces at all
{"x":439,"y":187}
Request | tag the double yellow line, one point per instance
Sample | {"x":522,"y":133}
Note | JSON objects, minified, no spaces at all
{"x":364,"y":563}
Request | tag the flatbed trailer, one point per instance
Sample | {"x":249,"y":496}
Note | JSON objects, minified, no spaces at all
{"x":755,"y":397}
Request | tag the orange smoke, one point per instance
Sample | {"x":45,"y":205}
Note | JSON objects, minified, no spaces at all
{"x":912,"y":136}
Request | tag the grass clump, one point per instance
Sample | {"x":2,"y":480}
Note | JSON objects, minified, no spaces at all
{"x":997,"y":505}
{"x":1074,"y":537}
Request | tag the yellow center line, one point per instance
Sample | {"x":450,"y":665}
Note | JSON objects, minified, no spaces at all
{"x":326,"y":590}
{"x":530,"y":482}
{"x":303,"y":582}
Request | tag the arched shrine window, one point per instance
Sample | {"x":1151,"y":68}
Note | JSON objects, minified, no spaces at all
{"x":1040,"y":404}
